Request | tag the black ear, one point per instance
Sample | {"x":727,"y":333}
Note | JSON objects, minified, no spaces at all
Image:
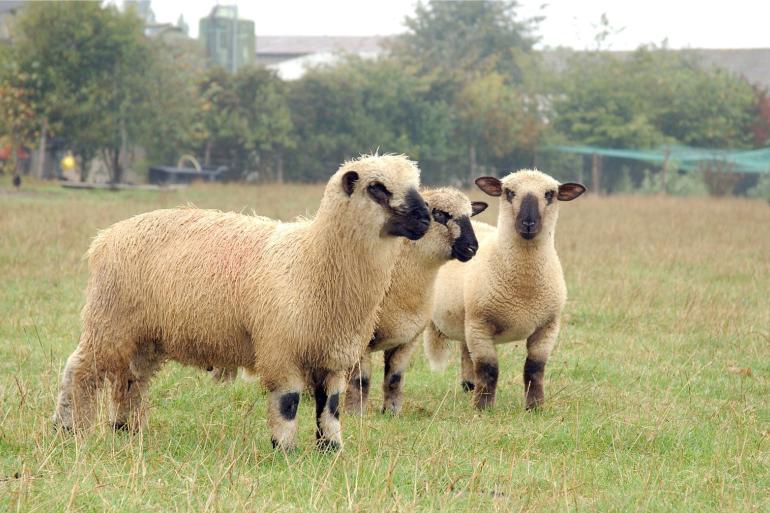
{"x":569,"y":191}
{"x":349,"y":180}
{"x":490,"y":185}
{"x":478,"y":207}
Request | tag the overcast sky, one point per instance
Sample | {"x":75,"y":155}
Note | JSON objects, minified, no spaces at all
{"x":573,"y":23}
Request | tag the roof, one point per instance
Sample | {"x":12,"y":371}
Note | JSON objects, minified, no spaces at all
{"x":751,"y":63}
{"x":300,"y":45}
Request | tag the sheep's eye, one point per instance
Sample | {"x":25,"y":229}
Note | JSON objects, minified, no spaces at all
{"x":509,"y":194}
{"x":549,"y":196}
{"x":440,"y":216}
{"x":379,"y":192}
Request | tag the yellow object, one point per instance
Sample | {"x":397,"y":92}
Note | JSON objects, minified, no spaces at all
{"x":68,"y":162}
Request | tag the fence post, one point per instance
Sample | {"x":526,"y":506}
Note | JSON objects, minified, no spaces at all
{"x":596,"y":174}
{"x":664,"y":172}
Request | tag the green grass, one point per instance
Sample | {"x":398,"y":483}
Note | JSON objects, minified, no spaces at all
{"x":648,"y":408}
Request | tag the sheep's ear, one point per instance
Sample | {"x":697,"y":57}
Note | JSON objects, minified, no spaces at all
{"x":478,"y":207}
{"x":569,"y":191}
{"x":349,"y":180}
{"x":490,"y":185}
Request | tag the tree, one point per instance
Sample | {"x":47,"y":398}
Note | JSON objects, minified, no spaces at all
{"x":364,"y":106}
{"x":477,"y":57}
{"x":244,"y":121}
{"x":90,"y":63}
{"x":17,"y":108}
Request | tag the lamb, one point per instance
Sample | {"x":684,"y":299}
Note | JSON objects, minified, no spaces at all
{"x":512,"y":290}
{"x":295,"y":303}
{"x":407,"y":305}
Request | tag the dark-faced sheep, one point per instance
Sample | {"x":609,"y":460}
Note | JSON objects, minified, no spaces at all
{"x":408,"y":302}
{"x":295,"y":303}
{"x":512,"y":290}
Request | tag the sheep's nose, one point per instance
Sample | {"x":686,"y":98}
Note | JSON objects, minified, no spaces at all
{"x":472,"y":248}
{"x":527,"y":223}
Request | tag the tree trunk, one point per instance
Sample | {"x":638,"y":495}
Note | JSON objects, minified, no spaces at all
{"x":207,"y":154}
{"x":41,"y":148}
{"x":472,"y":164}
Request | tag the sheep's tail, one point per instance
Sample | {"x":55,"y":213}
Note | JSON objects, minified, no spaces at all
{"x":437,"y":347}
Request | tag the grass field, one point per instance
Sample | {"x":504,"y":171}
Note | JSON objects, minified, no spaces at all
{"x":657,"y":398}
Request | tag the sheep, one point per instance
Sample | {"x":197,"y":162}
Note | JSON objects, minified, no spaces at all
{"x":512,"y":290}
{"x":407,"y":305}
{"x":295,"y":302}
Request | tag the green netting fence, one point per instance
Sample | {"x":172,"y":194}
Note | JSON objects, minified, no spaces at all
{"x":685,"y":157}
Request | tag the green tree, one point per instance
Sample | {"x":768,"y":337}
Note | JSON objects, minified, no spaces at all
{"x":244,"y":122}
{"x":90,"y":64}
{"x":364,"y":106}
{"x":477,"y":57}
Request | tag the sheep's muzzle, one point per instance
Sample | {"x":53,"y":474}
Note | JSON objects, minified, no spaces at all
{"x":411,"y":219}
{"x":528,"y":219}
{"x":465,"y":246}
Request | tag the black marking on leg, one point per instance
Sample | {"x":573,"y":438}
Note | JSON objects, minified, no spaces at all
{"x":394,"y":381}
{"x":468,"y":385}
{"x":533,"y":383}
{"x":209,"y":368}
{"x":533,"y":370}
{"x":487,"y":374}
{"x":320,"y":403}
{"x":120,"y":426}
{"x":274,"y":442}
{"x":334,"y":405}
{"x":288,"y":404}
{"x":362,"y":383}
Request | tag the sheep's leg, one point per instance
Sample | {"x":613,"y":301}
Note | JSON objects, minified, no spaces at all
{"x":468,"y":376}
{"x":358,"y":385}
{"x":539,"y":347}
{"x":437,"y":347}
{"x":396,"y":363}
{"x":282,"y":404}
{"x":80,"y":384}
{"x":327,"y":387}
{"x":129,"y":402}
{"x":130,"y":388}
{"x":478,"y":336}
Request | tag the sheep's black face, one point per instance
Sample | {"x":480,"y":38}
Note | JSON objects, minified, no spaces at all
{"x":466,"y":245}
{"x":411,"y":219}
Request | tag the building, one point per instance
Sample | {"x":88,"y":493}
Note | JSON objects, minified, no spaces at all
{"x":291,"y":56}
{"x":228,"y":41}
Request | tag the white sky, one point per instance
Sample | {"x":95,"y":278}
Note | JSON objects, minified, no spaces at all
{"x":686,"y":23}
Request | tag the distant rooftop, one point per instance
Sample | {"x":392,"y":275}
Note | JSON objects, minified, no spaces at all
{"x":301,"y":45}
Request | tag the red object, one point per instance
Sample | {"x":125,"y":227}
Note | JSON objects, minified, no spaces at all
{"x":5,"y":152}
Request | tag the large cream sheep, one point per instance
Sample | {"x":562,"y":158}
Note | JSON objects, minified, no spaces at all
{"x":407,"y":305}
{"x":295,"y":303}
{"x":512,"y":290}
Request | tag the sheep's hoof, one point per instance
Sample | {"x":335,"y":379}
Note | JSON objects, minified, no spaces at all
{"x":120,"y":426}
{"x":468,"y":386}
{"x":285,"y":447}
{"x":325,"y":445}
{"x":57,"y":427}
